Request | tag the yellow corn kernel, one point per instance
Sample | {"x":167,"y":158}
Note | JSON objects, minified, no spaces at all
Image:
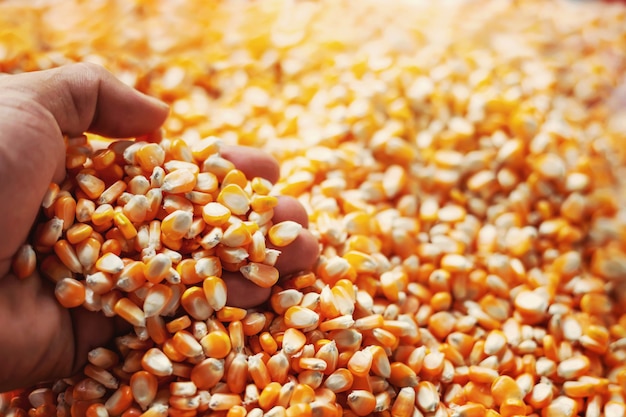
{"x":263,"y":203}
{"x":124,"y":225}
{"x":215,"y":214}
{"x":404,"y":403}
{"x":401,"y":375}
{"x":155,"y":362}
{"x":175,"y":225}
{"x":52,"y":193}
{"x":155,"y":326}
{"x":194,"y":301}
{"x":130,"y":312}
{"x":216,"y":344}
{"x":157,"y":268}
{"x":573,"y":367}
{"x":65,"y":209}
{"x":90,"y":185}
{"x":102,"y":215}
{"x":339,"y":381}
{"x":262,"y":275}
{"x":300,"y":317}
{"x":472,"y":410}
{"x":299,"y":409}
{"x":504,"y":387}
{"x":237,"y":337}
{"x":236,"y":177}
{"x":78,"y":232}
{"x":234,"y":198}
{"x":110,"y":262}
{"x":269,"y":395}
{"x":562,"y":406}
{"x":150,"y":156}
{"x":206,"y":182}
{"x":111,"y":194}
{"x":50,"y":232}
{"x":102,"y":357}
{"x":293,"y":341}
{"x":186,"y":344}
{"x":284,"y":233}
{"x":237,"y":411}
{"x":258,"y":372}
{"x":361,"y":402}
{"x":230,"y":314}
{"x":360,"y":363}
{"x":206,"y":147}
{"x":96,"y":410}
{"x":236,"y":235}
{"x":207,"y":373}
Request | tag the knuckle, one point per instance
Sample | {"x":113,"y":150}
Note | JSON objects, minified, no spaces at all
{"x":88,"y":73}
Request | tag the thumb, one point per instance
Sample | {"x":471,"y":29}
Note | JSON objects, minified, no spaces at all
{"x":36,"y":108}
{"x":86,"y":97}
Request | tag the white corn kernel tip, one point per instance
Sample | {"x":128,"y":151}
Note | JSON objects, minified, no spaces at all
{"x":110,"y":263}
{"x":179,"y":181}
{"x":215,"y":213}
{"x":301,"y":317}
{"x":235,"y":199}
{"x":215,"y":292}
{"x":283,"y":233}
{"x":50,"y":232}
{"x":144,"y":387}
{"x":102,"y":357}
{"x":156,"y":300}
{"x":70,"y":292}
{"x":183,"y":388}
{"x":90,"y":184}
{"x":176,"y":224}
{"x":157,"y":363}
{"x":101,"y":376}
{"x":262,"y":275}
{"x":24,"y":261}
{"x":130,"y":312}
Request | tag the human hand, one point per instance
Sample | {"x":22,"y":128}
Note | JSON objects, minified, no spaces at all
{"x":41,"y":340}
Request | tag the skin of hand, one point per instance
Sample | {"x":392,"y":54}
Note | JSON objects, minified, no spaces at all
{"x":41,"y":340}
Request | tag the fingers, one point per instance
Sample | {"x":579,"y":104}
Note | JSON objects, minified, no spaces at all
{"x":290,"y":209}
{"x":252,"y":162}
{"x":35,"y":110}
{"x":86,"y":97}
{"x":36,"y":333}
{"x":91,"y":330}
{"x":300,"y":255}
{"x":47,"y":341}
{"x":243,"y":293}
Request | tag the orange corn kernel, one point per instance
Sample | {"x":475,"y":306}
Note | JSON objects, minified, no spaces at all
{"x":216,"y":344}
{"x":69,"y":292}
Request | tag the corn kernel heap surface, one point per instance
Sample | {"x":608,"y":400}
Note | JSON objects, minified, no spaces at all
{"x":460,"y":165}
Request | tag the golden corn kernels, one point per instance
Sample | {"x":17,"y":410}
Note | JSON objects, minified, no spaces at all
{"x":463,"y":187}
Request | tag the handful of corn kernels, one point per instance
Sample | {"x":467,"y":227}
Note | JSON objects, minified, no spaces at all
{"x":138,"y":212}
{"x":143,"y":231}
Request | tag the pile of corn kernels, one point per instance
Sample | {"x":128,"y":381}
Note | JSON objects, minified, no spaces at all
{"x":460,"y":164}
